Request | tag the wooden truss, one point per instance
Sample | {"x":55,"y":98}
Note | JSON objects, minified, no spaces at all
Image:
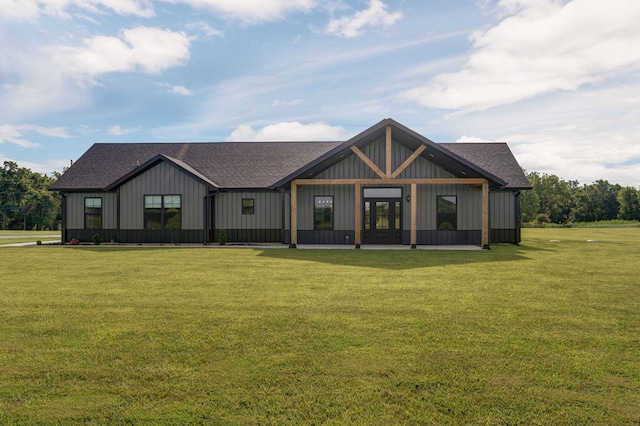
{"x":389,"y":177}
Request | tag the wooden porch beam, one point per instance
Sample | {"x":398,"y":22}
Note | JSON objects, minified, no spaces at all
{"x":414,"y":216}
{"x":358,"y":215}
{"x":435,"y":181}
{"x":408,"y":161}
{"x":368,"y":162}
{"x":388,"y":152}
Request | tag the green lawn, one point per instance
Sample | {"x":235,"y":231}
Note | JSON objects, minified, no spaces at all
{"x":13,"y":237}
{"x":544,"y":333}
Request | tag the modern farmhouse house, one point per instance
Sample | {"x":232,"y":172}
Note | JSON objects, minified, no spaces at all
{"x":387,"y":185}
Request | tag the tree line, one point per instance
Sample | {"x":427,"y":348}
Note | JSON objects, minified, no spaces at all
{"x":25,"y":201}
{"x":554,"y":200}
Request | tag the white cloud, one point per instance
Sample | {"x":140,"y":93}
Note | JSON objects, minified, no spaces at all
{"x":279,"y":103}
{"x":32,"y":85}
{"x":19,"y":9}
{"x":352,"y":26}
{"x":146,"y":49}
{"x":15,"y":134}
{"x":288,"y":131}
{"x":33,"y":9}
{"x":205,"y":28}
{"x":181,"y":90}
{"x":540,"y":46}
{"x":583,"y":135}
{"x":473,"y":139}
{"x":45,"y":167}
{"x":178,"y":90}
{"x":250,"y":11}
{"x":119,"y":131}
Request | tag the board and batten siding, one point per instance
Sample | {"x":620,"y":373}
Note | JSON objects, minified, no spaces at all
{"x":502,"y":211}
{"x":163,"y":179}
{"x":267,"y":210}
{"x":469,"y":205}
{"x":343,"y":205}
{"x":75,"y":209}
{"x":351,"y":167}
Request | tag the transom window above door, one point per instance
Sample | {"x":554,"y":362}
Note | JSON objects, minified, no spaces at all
{"x":382,"y":193}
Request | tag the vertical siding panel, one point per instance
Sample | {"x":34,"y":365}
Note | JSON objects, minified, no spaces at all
{"x":494,"y":209}
{"x":162,"y":179}
{"x":343,"y":201}
{"x":74,"y":206}
{"x":503,"y":215}
{"x":422,"y":168}
{"x":304,"y":198}
{"x":75,"y":209}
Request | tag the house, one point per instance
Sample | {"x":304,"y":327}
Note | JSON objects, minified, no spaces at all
{"x":387,"y":185}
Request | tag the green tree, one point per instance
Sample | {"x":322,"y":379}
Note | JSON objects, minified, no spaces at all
{"x":597,"y":201}
{"x":25,"y":202}
{"x":555,"y":195}
{"x":529,"y":205}
{"x":629,"y":199}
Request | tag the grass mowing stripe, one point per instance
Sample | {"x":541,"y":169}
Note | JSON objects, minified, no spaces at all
{"x":536,"y":334}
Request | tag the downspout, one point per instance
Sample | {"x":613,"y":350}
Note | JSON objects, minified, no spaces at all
{"x":63,"y":207}
{"x":208,"y":204}
{"x":283,"y":221}
{"x":518,"y":218}
{"x":118,"y":231}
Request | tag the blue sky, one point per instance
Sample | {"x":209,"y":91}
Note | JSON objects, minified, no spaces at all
{"x":558,"y":80}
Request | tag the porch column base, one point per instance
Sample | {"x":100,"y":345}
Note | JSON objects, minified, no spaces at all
{"x":357,"y":246}
{"x":292,"y":246}
{"x":414,"y":246}
{"x":486,"y":247}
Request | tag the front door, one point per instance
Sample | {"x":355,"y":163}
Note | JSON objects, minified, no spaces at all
{"x":382,"y":221}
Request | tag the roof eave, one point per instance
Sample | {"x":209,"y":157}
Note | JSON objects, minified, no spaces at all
{"x":151,"y":163}
{"x":380,"y":126}
{"x":51,"y":188}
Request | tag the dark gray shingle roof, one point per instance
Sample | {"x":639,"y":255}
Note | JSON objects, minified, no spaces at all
{"x":227,"y":164}
{"x":494,"y":157}
{"x":247,"y":165}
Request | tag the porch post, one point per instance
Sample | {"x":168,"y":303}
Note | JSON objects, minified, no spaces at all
{"x":358,"y":214}
{"x":294,"y":215}
{"x":485,"y":215}
{"x":414,"y":215}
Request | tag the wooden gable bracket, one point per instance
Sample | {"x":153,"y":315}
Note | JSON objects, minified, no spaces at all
{"x":387,"y":174}
{"x":390,"y":177}
{"x":368,"y":162}
{"x":388,"y":152}
{"x":408,"y":161}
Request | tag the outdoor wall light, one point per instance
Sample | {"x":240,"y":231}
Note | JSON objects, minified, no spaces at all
{"x":408,"y":198}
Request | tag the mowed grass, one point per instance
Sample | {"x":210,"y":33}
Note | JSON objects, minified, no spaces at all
{"x":13,"y":237}
{"x":544,"y":333}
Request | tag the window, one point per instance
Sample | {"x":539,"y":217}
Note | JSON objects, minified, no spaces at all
{"x":447,"y":217}
{"x":248,"y":206}
{"x":162,"y":212}
{"x":323,"y":212}
{"x":367,"y":215}
{"x":172,"y":216}
{"x":382,"y":214}
{"x":93,"y":213}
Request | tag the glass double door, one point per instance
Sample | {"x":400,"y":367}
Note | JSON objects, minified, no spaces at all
{"x":382,"y":221}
